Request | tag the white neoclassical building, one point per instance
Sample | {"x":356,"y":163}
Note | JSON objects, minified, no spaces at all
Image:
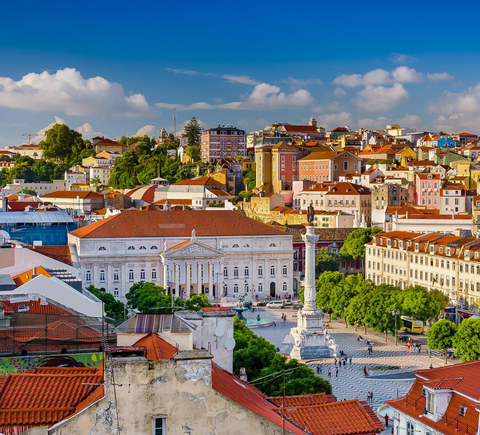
{"x":222,"y":254}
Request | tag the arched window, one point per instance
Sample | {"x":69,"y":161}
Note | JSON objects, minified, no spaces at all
{"x":225,"y":272}
{"x":153,"y":247}
{"x":272,"y":271}
{"x":130,"y":248}
{"x":225,"y":289}
{"x":116,"y":293}
{"x":260,"y":288}
{"x":235,"y":288}
{"x":116,"y":276}
{"x":88,"y":276}
{"x":235,"y":272}
{"x":142,"y":275}
{"x":130,"y":275}
{"x":285,"y":270}
{"x":260,"y":271}
{"x":247,"y":272}
{"x":154,"y":274}
{"x":272,"y":245}
{"x":143,"y":247}
{"x":102,"y":276}
{"x":102,"y":248}
{"x":235,"y":246}
{"x":285,"y":287}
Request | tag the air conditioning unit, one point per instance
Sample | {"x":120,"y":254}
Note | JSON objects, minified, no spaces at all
{"x":463,"y":410}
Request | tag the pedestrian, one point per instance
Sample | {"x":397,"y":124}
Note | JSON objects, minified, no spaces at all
{"x":408,"y":347}
{"x":365,"y":371}
{"x":371,"y":396}
{"x":350,"y":360}
{"x":370,"y":373}
{"x":368,"y":396}
{"x":335,"y":361}
{"x":419,"y":348}
{"x":329,"y":372}
{"x":336,"y":373}
{"x":386,"y":420}
{"x":318,"y":369}
{"x":274,"y":323}
{"x":344,"y":361}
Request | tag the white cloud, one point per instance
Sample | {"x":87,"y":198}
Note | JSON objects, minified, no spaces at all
{"x":87,"y":131}
{"x":263,"y":97}
{"x":40,"y":135}
{"x":411,"y":121}
{"x":439,"y":76}
{"x":340,"y":93}
{"x":232,"y":78}
{"x":332,"y":120}
{"x":401,"y":74}
{"x":457,"y":110}
{"x":302,"y":83}
{"x":333,"y":106}
{"x":67,"y":91}
{"x":380,"y":98}
{"x":401,"y":58}
{"x":244,"y":80}
{"x":148,"y":130}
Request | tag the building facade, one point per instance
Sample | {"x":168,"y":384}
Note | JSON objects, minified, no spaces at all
{"x":222,"y":141}
{"x":222,"y":254}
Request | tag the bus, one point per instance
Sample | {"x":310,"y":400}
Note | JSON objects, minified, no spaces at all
{"x":413,"y":326}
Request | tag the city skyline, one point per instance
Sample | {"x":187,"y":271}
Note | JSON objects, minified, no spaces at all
{"x":119,"y":72}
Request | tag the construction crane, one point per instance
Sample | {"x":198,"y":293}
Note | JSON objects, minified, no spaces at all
{"x":29,"y":136}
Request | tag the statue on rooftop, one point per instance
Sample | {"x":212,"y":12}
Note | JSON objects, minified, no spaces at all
{"x":310,"y":213}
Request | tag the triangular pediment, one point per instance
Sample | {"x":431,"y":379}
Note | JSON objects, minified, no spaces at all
{"x":191,"y":248}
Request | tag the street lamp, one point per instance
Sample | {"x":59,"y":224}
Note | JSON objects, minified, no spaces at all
{"x":396,"y":313}
{"x":246,"y":287}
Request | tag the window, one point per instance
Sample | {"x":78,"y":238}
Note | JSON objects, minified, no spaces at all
{"x":116,"y":293}
{"x":235,"y":272}
{"x":272,"y":245}
{"x":247,"y":272}
{"x":285,"y":287}
{"x":142,"y":275}
{"x":159,"y":426}
{"x":142,"y":247}
{"x":430,"y":399}
{"x":260,"y":288}
{"x":154,"y":274}
{"x":102,"y":248}
{"x":88,"y":276}
{"x":130,"y":275}
{"x":225,"y":272}
{"x":102,"y":276}
{"x":130,"y":248}
{"x":116,"y":276}
{"x":285,"y":270}
{"x":410,"y":428}
{"x":235,"y":288}
{"x":260,"y":271}
{"x":235,"y":246}
{"x":272,"y":271}
{"x":154,"y":247}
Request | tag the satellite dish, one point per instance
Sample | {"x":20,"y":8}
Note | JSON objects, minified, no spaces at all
{"x":219,"y":330}
{"x":230,"y":343}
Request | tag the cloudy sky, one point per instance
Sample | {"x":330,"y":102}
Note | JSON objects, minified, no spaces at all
{"x":118,"y":68}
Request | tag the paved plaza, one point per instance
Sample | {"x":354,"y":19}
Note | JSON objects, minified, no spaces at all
{"x":351,"y":383}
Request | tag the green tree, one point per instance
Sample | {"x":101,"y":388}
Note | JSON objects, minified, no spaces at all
{"x":419,"y":303}
{"x":440,"y":336}
{"x":467,"y":340}
{"x":197,"y":302}
{"x":324,"y":286}
{"x":326,"y":260}
{"x":28,"y":192}
{"x":354,"y":245}
{"x":250,"y":179}
{"x":146,"y":297}
{"x":95,"y":182}
{"x":384,"y":300}
{"x":193,"y":129}
{"x":113,"y":308}
{"x":442,"y":300}
{"x":61,"y":143}
{"x":356,"y":312}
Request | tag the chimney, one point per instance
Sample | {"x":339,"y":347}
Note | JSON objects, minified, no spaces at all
{"x":243,"y":374}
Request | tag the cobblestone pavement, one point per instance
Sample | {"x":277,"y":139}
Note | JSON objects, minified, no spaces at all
{"x":351,"y":382}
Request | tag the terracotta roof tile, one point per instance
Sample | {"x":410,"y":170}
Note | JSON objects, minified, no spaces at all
{"x":133,"y":223}
{"x":157,"y":348}
{"x":202,"y":181}
{"x":303,"y":400}
{"x":34,"y":307}
{"x":57,"y":252}
{"x":72,"y":194}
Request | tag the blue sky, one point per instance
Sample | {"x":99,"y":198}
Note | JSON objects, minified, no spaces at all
{"x":117,"y":68}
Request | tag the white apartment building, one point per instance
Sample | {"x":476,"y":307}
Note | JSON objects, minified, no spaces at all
{"x":100,"y":172}
{"x":41,"y":187}
{"x":74,"y":177}
{"x":449,"y":263}
{"x":222,"y":254}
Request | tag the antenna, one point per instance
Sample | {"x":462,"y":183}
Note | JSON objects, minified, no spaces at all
{"x":29,"y":136}
{"x":174,"y":121}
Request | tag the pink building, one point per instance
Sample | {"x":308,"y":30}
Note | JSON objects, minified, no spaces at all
{"x":222,"y":141}
{"x":427,"y":190}
{"x":328,"y":166}
{"x":350,"y":198}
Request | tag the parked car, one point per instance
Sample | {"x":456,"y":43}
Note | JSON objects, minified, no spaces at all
{"x":275,"y":304}
{"x":261,"y":304}
{"x":297,"y":306}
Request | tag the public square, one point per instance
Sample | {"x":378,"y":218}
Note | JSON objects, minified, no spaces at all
{"x":351,"y":382}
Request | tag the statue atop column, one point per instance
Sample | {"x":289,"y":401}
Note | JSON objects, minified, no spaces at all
{"x":310,"y":214}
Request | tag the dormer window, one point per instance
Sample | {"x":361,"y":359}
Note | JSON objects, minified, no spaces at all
{"x":432,"y":249}
{"x":441,"y":249}
{"x":448,"y":251}
{"x":389,"y":243}
{"x":417,"y":246}
{"x":430,"y":403}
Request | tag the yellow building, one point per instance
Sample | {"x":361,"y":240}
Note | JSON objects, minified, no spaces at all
{"x":264,"y":168}
{"x":82,"y":187}
{"x":405,"y":156}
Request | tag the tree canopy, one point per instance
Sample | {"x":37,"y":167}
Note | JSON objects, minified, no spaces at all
{"x":440,"y":335}
{"x":326,"y":260}
{"x":384,"y":300}
{"x":113,"y":308}
{"x":467,"y":340}
{"x":419,"y":303}
{"x":62,"y":143}
{"x":193,"y":130}
{"x":354,"y":245}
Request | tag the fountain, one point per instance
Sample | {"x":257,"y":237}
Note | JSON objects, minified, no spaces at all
{"x":241,"y":308}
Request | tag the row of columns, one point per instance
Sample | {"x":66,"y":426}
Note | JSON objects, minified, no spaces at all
{"x":172,"y":275}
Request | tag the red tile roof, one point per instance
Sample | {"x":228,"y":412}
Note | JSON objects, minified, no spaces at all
{"x":57,"y":252}
{"x":248,"y":396}
{"x":147,"y":194}
{"x":34,"y":307}
{"x":303,"y":400}
{"x":45,"y":397}
{"x":157,"y":348}
{"x":202,"y":181}
{"x":133,"y":223}
{"x":300,"y":128}
{"x":339,"y":418}
{"x":346,"y":188}
{"x":72,"y":194}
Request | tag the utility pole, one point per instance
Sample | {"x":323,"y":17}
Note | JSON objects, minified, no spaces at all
{"x":174,"y":122}
{"x":283,"y":405}
{"x":29,"y":136}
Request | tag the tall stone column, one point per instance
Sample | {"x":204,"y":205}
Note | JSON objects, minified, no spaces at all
{"x":176,"y":279}
{"x":187,"y":280}
{"x":310,"y":239}
{"x":199,"y":278}
{"x":210,"y":281}
{"x":165,"y":276}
